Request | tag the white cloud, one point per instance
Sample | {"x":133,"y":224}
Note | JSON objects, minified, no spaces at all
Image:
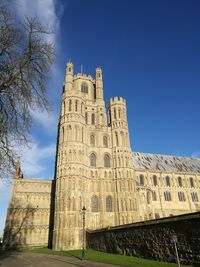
{"x":34,"y":158}
{"x":45,"y":10}
{"x":48,"y":120}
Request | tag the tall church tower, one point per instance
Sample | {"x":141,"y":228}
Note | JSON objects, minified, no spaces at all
{"x":83,"y":108}
{"x":93,"y":160}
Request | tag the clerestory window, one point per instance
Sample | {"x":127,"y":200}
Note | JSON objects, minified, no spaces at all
{"x":167,"y":179}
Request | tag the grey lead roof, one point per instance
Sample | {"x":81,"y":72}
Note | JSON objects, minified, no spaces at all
{"x":145,"y":161}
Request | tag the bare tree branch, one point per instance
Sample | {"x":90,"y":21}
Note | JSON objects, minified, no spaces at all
{"x":26,"y":57}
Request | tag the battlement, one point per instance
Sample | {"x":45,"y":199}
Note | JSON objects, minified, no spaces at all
{"x":117,"y":100}
{"x":83,"y":76}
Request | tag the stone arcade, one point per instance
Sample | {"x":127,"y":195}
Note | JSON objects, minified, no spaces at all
{"x":96,"y":168}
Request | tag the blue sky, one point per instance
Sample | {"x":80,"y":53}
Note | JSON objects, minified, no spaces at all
{"x":150,"y":54}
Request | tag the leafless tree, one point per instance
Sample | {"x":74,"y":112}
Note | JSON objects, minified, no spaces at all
{"x":26,"y":57}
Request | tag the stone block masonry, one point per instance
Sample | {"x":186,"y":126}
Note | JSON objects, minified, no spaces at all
{"x":152,"y":239}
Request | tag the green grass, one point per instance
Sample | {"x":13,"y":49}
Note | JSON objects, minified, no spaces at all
{"x":92,"y":255}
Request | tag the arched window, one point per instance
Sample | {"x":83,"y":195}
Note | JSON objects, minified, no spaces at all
{"x":167,"y":179}
{"x":105,"y":141}
{"x":154,"y":198}
{"x":191,"y":182}
{"x":180,"y":184}
{"x":119,"y":112}
{"x":194,"y":197}
{"x":86,"y":118}
{"x":70,"y":105}
{"x":155,"y":182}
{"x":181,"y":196}
{"x":114,"y":113}
{"x":141,"y":179}
{"x":94,"y":204}
{"x":106,"y":161}
{"x":93,"y":119}
{"x":76,"y":105}
{"x":84,"y":88}
{"x":167,"y":196}
{"x":93,"y":160}
{"x":92,"y":140}
{"x":109,"y":204}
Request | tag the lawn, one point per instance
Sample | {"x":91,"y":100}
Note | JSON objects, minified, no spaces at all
{"x":92,"y":255}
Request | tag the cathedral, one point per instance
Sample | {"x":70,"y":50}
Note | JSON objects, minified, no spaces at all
{"x":96,"y":170}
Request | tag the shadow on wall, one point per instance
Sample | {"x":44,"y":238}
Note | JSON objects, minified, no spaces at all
{"x":51,"y":216}
{"x":19,"y":220}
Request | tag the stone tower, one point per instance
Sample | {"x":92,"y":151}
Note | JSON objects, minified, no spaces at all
{"x":82,"y":109}
{"x":93,"y":160}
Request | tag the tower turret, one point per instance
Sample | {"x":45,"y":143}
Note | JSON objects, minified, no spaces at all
{"x":120,"y":134}
{"x":18,"y":172}
{"x":118,"y":122}
{"x":99,"y":84}
{"x":69,"y":76}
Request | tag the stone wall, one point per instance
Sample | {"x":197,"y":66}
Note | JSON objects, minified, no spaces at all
{"x":152,"y":239}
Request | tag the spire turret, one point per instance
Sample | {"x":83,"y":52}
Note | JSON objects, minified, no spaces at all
{"x":99,"y":84}
{"x":69,"y":76}
{"x":18,"y":172}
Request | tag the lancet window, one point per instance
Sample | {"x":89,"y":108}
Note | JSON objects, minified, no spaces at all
{"x":93,"y":160}
{"x":105,"y":141}
{"x":109,"y":207}
{"x":106,"y":161}
{"x":94,"y":204}
{"x":84,"y":88}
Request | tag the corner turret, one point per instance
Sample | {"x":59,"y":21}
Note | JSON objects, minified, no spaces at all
{"x":18,"y":174}
{"x":99,"y":83}
{"x":69,"y":76}
{"x":118,"y":122}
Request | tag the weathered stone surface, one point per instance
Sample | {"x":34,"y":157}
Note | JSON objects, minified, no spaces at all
{"x":152,"y":239}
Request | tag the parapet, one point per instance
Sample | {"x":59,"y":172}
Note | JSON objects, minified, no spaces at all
{"x":117,"y":101}
{"x":83,"y":76}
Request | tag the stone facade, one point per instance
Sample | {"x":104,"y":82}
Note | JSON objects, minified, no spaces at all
{"x":29,"y":218}
{"x":96,"y":168}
